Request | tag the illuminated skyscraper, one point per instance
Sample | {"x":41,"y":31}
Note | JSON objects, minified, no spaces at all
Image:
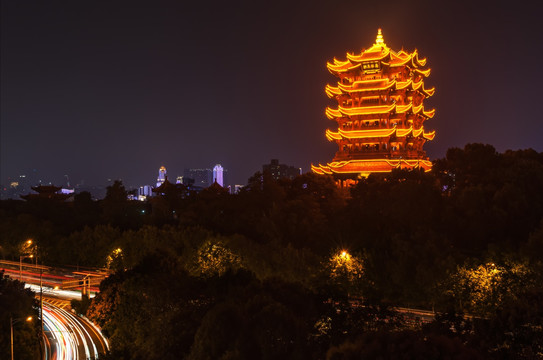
{"x":380,"y":112}
{"x":161,"y":176}
{"x":218,"y":175}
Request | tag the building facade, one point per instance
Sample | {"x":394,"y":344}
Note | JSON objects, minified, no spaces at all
{"x":281,"y":171}
{"x":161,"y":176}
{"x":202,"y":177}
{"x":218,"y":175}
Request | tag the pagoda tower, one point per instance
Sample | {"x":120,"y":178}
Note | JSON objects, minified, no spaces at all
{"x":380,"y":112}
{"x":47,"y":192}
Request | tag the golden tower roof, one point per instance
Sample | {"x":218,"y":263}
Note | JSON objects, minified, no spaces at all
{"x":380,"y":41}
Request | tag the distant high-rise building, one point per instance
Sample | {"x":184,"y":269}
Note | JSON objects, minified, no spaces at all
{"x":161,"y":176}
{"x":281,"y":171}
{"x":188,"y":181}
{"x":145,"y":190}
{"x":218,"y":175}
{"x":202,"y":177}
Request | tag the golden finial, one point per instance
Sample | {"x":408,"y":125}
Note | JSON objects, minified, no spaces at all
{"x":379,"y":41}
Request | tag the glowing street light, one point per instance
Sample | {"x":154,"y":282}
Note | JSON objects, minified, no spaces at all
{"x":345,"y":268}
{"x":21,"y":264}
{"x":26,"y":247}
{"x":29,"y":250}
{"x":13,"y":321}
{"x":33,"y":250}
{"x":114,"y":256}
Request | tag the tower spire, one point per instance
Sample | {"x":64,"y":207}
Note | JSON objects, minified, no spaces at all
{"x":379,"y":40}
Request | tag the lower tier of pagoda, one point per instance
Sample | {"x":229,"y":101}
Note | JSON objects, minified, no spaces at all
{"x":358,"y":168}
{"x":365,"y":155}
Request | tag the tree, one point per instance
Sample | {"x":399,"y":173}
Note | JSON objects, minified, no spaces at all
{"x":402,"y":345}
{"x":116,"y":193}
{"x":493,"y":200}
{"x":257,"y":320}
{"x":18,"y":303}
{"x":345,"y":273}
{"x":88,"y":247}
{"x":396,"y":221}
{"x":115,"y":204}
{"x":214,"y":258}
{"x":515,"y":330}
{"x":86,"y":210}
{"x":151,"y":311}
{"x":481,"y":290}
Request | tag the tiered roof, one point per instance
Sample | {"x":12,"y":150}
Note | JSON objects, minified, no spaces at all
{"x":378,"y":110}
{"x":48,"y":192}
{"x":378,"y":52}
{"x":369,"y":166}
{"x":378,"y":133}
{"x":377,"y":85}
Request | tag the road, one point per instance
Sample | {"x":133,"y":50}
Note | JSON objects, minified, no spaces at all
{"x":68,"y":336}
{"x":88,"y":281}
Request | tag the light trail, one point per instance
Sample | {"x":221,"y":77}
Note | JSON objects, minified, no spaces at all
{"x":59,"y":293}
{"x":55,"y":278}
{"x":66,"y":335}
{"x":69,"y":337}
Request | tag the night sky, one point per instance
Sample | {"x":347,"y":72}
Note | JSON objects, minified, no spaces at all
{"x":109,"y":89}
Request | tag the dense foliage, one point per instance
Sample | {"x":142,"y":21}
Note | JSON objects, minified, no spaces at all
{"x":17,"y":304}
{"x":304,"y":269}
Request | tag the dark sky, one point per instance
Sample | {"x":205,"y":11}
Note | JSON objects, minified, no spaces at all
{"x":110,"y":89}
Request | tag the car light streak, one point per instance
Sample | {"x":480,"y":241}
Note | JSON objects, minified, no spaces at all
{"x":63,"y":294}
{"x":69,"y":337}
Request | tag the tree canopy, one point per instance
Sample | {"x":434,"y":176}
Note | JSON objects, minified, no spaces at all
{"x":303,"y":269}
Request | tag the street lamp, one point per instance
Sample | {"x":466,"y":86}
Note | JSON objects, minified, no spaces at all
{"x":26,"y":247}
{"x":13,"y":321}
{"x":21,"y":265}
{"x":345,"y":255}
{"x":31,"y":248}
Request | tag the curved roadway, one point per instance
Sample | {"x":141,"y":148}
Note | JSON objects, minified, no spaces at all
{"x":68,"y":336}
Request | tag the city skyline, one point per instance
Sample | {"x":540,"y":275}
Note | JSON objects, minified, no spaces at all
{"x":33,"y":178}
{"x":95,"y":93}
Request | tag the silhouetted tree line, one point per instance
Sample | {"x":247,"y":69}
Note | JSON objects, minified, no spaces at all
{"x":262,"y":274}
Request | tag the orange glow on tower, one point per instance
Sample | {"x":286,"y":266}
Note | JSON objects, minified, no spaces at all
{"x":380,"y":112}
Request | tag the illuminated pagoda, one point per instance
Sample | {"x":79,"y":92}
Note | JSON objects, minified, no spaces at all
{"x":380,"y":112}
